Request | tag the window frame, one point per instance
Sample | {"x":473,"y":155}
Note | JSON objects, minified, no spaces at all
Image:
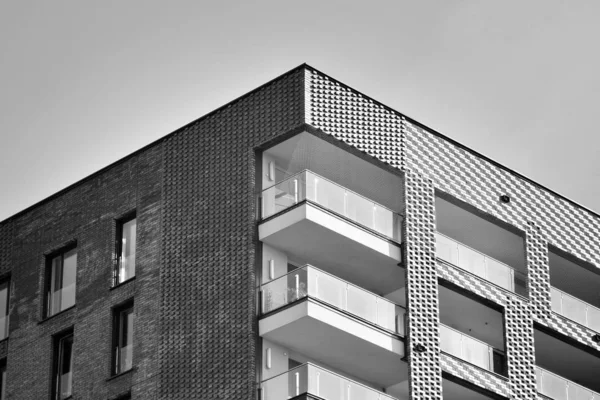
{"x":6,"y":281}
{"x":57,"y":362}
{"x":118,"y":248}
{"x":49,"y":281}
{"x":124,"y":309}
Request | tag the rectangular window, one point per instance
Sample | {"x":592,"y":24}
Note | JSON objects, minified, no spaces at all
{"x":63,"y":367}
{"x":124,"y":318}
{"x":4,"y":317}
{"x":125,"y":265}
{"x":61,"y":274}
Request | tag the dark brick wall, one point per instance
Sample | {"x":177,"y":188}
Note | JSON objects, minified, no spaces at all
{"x":86,"y":213}
{"x":207,"y":348}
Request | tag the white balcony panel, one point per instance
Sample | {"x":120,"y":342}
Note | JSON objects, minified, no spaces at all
{"x":326,"y":335}
{"x":340,"y":247}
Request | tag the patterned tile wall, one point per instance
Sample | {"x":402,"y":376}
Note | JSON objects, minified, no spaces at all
{"x":542,"y":215}
{"x":476,"y":376}
{"x":422,"y":288}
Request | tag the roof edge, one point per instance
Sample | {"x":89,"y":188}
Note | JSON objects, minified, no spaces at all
{"x":458,"y":144}
{"x":148,"y":146}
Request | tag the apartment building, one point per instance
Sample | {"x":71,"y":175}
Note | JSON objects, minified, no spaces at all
{"x":301,"y":242}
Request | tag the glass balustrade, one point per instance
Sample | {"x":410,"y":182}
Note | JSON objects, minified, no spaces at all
{"x":475,"y":262}
{"x":307,"y":185}
{"x":310,"y":281}
{"x":559,"y":388}
{"x":575,"y":309}
{"x":310,"y":379}
{"x":467,"y":348}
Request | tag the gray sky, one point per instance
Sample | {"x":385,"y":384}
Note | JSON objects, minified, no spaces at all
{"x":84,"y":83}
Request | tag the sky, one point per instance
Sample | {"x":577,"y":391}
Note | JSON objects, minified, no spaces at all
{"x":84,"y":83}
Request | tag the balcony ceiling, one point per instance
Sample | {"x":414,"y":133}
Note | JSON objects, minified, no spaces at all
{"x":306,"y":151}
{"x":471,"y":317}
{"x":480,"y":234}
{"x":454,"y":391}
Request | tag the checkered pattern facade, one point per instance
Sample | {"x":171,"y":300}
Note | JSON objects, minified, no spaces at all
{"x":422,"y":288}
{"x":544,"y":217}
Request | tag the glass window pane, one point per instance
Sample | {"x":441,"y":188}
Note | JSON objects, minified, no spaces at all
{"x":4,"y":310}
{"x":124,"y":351}
{"x":65,"y":368}
{"x":69,"y":278}
{"x":127,"y":256}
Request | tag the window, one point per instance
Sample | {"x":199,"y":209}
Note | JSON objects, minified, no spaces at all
{"x":63,"y":367}
{"x":4,"y":317}
{"x":123,"y":339}
{"x":125,"y":265}
{"x":61,"y":273}
{"x":2,"y":379}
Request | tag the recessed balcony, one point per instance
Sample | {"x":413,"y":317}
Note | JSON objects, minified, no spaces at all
{"x":471,"y":331}
{"x":321,"y":316}
{"x":558,"y":388}
{"x":475,"y":262}
{"x":315,"y":220}
{"x":575,"y":309}
{"x":565,"y":371}
{"x":574,"y":289}
{"x":470,"y":349}
{"x":480,"y":244}
{"x":312,"y":380}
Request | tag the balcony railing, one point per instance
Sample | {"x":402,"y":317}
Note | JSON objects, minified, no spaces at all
{"x":575,"y":309}
{"x":310,"y":379}
{"x":467,"y":348}
{"x":312,"y":282}
{"x":559,"y":388}
{"x":475,"y":262}
{"x":307,"y":185}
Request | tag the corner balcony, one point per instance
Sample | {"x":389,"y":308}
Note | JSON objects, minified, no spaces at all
{"x":475,"y":262}
{"x":471,"y":350}
{"x":315,"y":220}
{"x":321,"y":316}
{"x":575,"y":309}
{"x":311,"y":380}
{"x":558,"y":388}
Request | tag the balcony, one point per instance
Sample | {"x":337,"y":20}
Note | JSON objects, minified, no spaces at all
{"x":309,"y":281}
{"x":575,"y":309}
{"x":566,"y":371}
{"x":307,"y":185}
{"x":321,"y":316}
{"x":559,"y":388}
{"x":312,"y":219}
{"x":313,"y":380}
{"x":470,"y":349}
{"x":475,"y":262}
